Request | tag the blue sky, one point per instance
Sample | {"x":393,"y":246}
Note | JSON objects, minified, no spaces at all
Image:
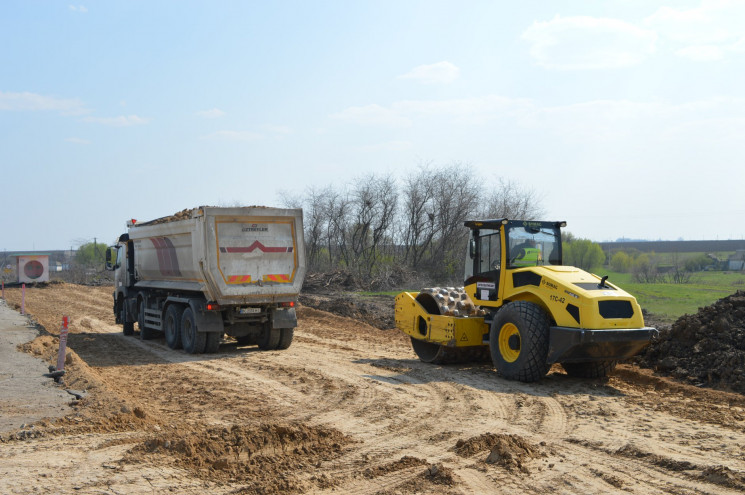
{"x":626,"y":117}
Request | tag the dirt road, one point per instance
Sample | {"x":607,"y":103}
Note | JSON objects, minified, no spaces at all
{"x":349,"y":409}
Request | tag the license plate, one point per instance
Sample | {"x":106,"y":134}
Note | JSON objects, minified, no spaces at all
{"x":249,"y":311}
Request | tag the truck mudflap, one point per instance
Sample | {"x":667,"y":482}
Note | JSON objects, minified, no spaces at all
{"x":580,"y":345}
{"x":206,"y":321}
{"x":284,"y":318}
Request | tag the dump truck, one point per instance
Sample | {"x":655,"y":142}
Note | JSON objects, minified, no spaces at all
{"x":521,"y":308}
{"x":209,"y":271}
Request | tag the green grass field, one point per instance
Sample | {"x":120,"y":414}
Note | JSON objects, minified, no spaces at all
{"x":671,"y":301}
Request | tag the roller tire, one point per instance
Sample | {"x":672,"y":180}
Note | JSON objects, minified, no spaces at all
{"x":212,"y":343}
{"x":269,"y":338}
{"x":530,"y":324}
{"x":596,"y":369}
{"x":172,"y":326}
{"x":145,"y":333}
{"x":194,"y":342}
{"x":285,"y":338}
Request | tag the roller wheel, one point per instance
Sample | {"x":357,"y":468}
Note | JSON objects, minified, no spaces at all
{"x":269,"y":338}
{"x":172,"y":326}
{"x":212,"y":343}
{"x":519,"y":341}
{"x":145,"y":333}
{"x":427,"y":351}
{"x":194,"y":342}
{"x":597,"y":369}
{"x":285,"y":338}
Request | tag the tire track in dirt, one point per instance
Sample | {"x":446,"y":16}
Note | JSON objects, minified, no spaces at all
{"x":367,"y":384}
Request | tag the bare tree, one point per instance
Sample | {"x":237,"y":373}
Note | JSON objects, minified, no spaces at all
{"x":374,"y":201}
{"x":456,"y":199}
{"x":510,"y":200}
{"x":418,"y":222}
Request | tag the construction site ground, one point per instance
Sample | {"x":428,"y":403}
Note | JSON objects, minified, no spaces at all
{"x":348,"y":408}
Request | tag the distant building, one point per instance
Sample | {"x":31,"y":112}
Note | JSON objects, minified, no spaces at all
{"x":737,"y":260}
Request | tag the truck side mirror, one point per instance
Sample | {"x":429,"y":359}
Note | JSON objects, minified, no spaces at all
{"x":472,"y":248}
{"x":109,"y":257}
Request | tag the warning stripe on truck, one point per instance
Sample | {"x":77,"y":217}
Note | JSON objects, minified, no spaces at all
{"x":280,"y":278}
{"x":253,"y":247}
{"x":167,"y":260}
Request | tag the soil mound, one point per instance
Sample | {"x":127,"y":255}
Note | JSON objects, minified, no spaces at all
{"x":262,"y":456}
{"x":707,"y":348}
{"x":511,"y":452}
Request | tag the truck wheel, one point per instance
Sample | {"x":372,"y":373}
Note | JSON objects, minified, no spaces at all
{"x":597,"y":369}
{"x":193,"y":341}
{"x":427,"y":351}
{"x":172,"y":326}
{"x":212,"y":343}
{"x":519,"y":341}
{"x":145,"y":333}
{"x":285,"y":338}
{"x":269,"y":338}
{"x":128,"y":327}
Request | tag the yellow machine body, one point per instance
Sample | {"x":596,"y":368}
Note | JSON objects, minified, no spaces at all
{"x":556,"y":313}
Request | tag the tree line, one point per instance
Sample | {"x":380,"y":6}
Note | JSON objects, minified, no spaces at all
{"x":385,"y":231}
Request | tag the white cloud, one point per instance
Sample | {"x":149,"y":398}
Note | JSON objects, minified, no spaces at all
{"x":34,"y":102}
{"x":439,"y":73}
{"x":277,"y":129}
{"x":213,"y":113}
{"x":121,"y":121}
{"x":387,"y":146}
{"x":75,"y":140}
{"x":465,"y":111}
{"x":708,"y":32}
{"x":576,"y":43}
{"x":373,"y":115}
{"x":233,"y":136}
{"x":713,"y":22}
{"x":78,"y":8}
{"x":701,"y":53}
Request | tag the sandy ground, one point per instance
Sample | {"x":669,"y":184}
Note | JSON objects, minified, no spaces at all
{"x":349,"y":409}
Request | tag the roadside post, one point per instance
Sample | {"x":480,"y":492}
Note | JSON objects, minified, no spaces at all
{"x":3,"y":296}
{"x":23,"y":299}
{"x":62,"y":345}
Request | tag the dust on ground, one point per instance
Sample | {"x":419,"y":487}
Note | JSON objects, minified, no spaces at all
{"x":349,"y":409}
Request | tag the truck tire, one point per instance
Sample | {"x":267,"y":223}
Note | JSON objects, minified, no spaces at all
{"x":285,"y":338}
{"x":212,"y":343}
{"x":269,"y":338}
{"x":194,"y":342}
{"x":145,"y":333}
{"x":172,"y":326}
{"x":128,"y":327}
{"x":519,"y":341}
{"x":597,"y":369}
